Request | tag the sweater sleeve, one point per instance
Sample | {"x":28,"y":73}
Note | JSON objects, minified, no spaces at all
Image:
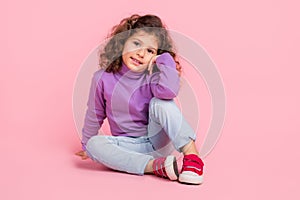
{"x":165,"y":83}
{"x":95,"y":113}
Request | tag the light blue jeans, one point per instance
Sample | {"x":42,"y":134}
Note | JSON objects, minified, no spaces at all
{"x":167,"y":129}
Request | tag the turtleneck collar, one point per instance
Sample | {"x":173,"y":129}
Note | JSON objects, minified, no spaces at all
{"x":125,"y":71}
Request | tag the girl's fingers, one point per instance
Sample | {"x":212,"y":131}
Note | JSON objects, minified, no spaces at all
{"x":150,"y":66}
{"x":150,"y":69}
{"x":84,"y":157}
{"x":82,"y":154}
{"x":178,"y":68}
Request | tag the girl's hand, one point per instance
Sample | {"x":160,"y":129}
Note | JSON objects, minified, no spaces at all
{"x":82,"y":154}
{"x":153,"y":60}
{"x":178,"y":68}
{"x":151,"y":64}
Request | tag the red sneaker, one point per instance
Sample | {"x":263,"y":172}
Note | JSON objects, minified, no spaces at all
{"x":166,"y":167}
{"x":192,"y":170}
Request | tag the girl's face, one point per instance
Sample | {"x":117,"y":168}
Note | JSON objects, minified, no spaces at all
{"x":138,"y":51}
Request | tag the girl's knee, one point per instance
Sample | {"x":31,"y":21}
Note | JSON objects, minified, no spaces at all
{"x":95,"y":142}
{"x":165,"y":104}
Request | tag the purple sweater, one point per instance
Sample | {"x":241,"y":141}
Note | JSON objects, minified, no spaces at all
{"x":123,"y":98}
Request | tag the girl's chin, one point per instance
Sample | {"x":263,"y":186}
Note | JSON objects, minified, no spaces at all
{"x":138,"y":68}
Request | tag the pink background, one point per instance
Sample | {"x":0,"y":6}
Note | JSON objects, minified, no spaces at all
{"x":255,"y":46}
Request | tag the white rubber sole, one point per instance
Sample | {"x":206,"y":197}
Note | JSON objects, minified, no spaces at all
{"x":190,"y":178}
{"x":171,"y":168}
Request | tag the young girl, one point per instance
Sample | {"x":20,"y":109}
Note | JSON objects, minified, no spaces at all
{"x":134,"y":90}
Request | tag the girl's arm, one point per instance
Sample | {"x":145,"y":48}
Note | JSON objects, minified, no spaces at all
{"x":165,"y":83}
{"x":95,"y":113}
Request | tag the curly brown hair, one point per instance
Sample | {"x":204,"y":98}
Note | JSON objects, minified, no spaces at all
{"x":111,"y":54}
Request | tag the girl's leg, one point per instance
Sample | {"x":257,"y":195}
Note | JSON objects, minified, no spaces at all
{"x":190,"y":148}
{"x":121,"y":153}
{"x":167,"y":126}
{"x":149,"y":167}
{"x":130,"y":155}
{"x":166,"y":123}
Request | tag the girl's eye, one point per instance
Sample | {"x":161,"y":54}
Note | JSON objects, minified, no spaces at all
{"x":150,"y":51}
{"x":136,"y":43}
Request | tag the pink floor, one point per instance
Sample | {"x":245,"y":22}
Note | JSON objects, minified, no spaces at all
{"x":255,"y":46}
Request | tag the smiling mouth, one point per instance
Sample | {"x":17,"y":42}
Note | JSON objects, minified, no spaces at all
{"x":135,"y":61}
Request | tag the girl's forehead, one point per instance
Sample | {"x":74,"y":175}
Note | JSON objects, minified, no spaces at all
{"x":145,"y":37}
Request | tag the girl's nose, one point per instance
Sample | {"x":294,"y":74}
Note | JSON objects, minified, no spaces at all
{"x":141,"y":52}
